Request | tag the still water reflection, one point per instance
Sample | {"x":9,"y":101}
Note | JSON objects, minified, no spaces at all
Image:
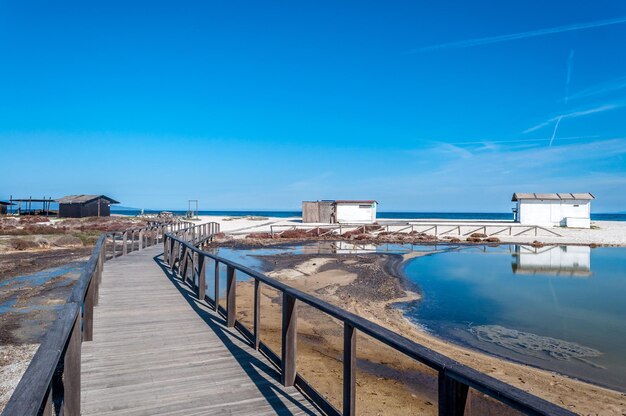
{"x":546,"y":307}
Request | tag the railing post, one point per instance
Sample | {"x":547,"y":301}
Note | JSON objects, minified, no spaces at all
{"x":257,"y":313}
{"x":289,"y":340}
{"x":71,"y":372}
{"x":183,"y":270}
{"x":194,"y":265}
{"x":452,"y":395}
{"x":165,"y":252}
{"x":201,"y":277}
{"x":141,"y":239}
{"x":113,"y":244}
{"x":231,"y":299}
{"x":173,"y":253}
{"x":124,"y":243}
{"x":88,"y":311}
{"x":217,"y":286}
{"x":349,"y":370}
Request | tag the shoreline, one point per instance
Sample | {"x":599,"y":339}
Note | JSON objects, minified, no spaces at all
{"x":577,"y":395}
{"x":602,"y":233}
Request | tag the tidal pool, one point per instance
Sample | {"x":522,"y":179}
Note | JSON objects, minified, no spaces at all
{"x":560,"y":308}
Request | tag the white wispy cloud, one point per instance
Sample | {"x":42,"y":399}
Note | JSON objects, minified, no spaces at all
{"x":522,"y":35}
{"x":573,"y":114}
{"x":488,"y":142}
{"x":601,"y":89}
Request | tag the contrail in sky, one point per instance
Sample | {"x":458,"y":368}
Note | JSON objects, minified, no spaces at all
{"x":568,"y":78}
{"x":556,"y":127}
{"x":573,"y":115}
{"x":570,"y":61}
{"x":523,"y":35}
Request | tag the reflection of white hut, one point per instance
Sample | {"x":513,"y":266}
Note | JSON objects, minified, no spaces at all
{"x":345,"y":247}
{"x":567,"y":210}
{"x":553,"y":260}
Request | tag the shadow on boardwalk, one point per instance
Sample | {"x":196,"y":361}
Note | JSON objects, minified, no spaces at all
{"x":257,"y":369}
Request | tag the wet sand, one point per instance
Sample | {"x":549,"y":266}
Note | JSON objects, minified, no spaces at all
{"x":387,"y":382}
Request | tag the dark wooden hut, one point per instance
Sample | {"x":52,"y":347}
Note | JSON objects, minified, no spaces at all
{"x":3,"y":207}
{"x":79,"y":206}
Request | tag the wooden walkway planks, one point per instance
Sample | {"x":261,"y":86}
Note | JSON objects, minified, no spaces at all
{"x":157,"y":350}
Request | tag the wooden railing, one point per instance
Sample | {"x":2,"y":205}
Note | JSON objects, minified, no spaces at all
{"x":51,"y":383}
{"x":436,"y":229}
{"x":454,"y":379}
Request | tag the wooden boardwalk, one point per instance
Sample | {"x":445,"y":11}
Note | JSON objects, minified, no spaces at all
{"x":157,"y":350}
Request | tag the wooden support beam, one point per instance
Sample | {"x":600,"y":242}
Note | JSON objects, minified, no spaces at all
{"x":452,"y":396}
{"x":88,"y":311}
{"x":201,"y":277}
{"x":231,"y":298}
{"x":124,"y":243}
{"x":183,"y":269}
{"x":71,"y":372}
{"x":289,"y":340}
{"x":217,"y":286}
{"x":349,"y":370}
{"x":257,"y":314}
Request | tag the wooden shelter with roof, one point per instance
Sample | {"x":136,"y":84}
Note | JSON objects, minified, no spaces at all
{"x":79,"y":206}
{"x":553,"y":209}
{"x":3,"y":207}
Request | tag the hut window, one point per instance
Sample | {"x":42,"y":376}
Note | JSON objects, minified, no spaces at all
{"x":576,"y":205}
{"x":365,"y":206}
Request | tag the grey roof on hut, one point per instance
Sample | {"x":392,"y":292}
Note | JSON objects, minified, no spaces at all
{"x":83,"y":199}
{"x":357,"y":201}
{"x":555,"y":196}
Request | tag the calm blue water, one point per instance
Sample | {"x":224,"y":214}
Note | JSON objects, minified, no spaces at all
{"x":559,"y":308}
{"x":384,"y":215}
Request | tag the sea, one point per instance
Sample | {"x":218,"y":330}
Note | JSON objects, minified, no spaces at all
{"x":476,"y":216}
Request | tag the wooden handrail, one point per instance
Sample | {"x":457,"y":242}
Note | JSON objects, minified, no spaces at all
{"x":455,"y":378}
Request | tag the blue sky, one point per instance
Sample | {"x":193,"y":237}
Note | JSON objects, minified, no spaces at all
{"x":424,"y":106}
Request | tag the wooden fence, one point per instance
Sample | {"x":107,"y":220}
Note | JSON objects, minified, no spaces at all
{"x":454,"y":379}
{"x":436,"y":229}
{"x":51,"y":383}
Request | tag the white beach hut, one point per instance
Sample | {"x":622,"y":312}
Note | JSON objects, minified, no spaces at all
{"x":557,"y":209}
{"x":355,"y":212}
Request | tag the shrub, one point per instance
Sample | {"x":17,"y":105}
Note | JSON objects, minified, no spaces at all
{"x":478,"y":235}
{"x":68,"y":241}
{"x":21,"y":244}
{"x":294,"y":234}
{"x":259,"y":235}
